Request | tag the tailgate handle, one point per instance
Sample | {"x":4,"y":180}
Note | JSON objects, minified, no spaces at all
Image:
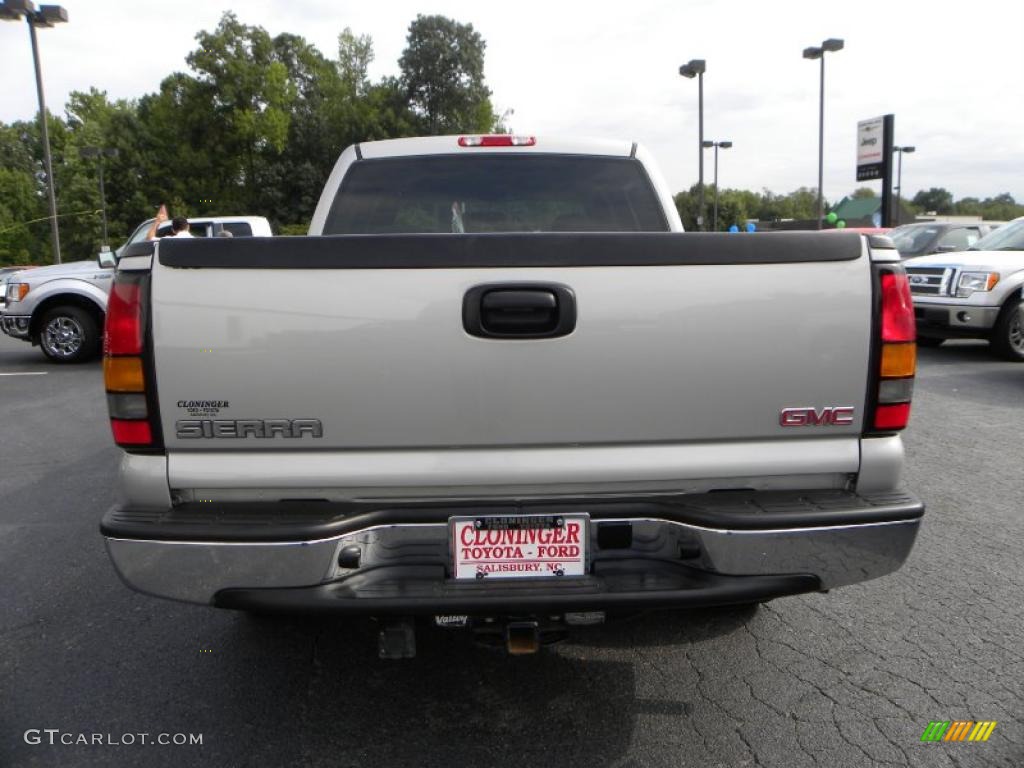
{"x":520,"y":311}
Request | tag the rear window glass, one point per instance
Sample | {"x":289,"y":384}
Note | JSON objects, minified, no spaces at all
{"x":237,"y":228}
{"x":195,"y":228}
{"x":913,"y":238}
{"x":495,"y":193}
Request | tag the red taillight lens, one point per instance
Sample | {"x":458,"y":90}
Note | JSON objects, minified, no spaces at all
{"x":132,"y":409}
{"x":128,"y":433}
{"x":499,"y":140}
{"x":890,"y":417}
{"x":123,"y":333}
{"x":897,"y":352}
{"x":897,"y":308}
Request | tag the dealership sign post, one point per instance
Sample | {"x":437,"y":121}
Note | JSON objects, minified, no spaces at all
{"x":874,"y":158}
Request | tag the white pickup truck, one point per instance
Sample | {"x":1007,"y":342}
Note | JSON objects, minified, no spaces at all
{"x":973,"y":294}
{"x":61,"y":308}
{"x":501,"y":389}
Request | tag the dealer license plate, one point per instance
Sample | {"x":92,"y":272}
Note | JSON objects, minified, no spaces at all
{"x":519,"y":546}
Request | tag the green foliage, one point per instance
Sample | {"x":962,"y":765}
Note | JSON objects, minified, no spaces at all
{"x":736,"y":206}
{"x":864,"y":193}
{"x":19,"y":202}
{"x":254,"y":127}
{"x":940,"y":201}
{"x":355,"y":53}
{"x":443,"y":74}
{"x":936,"y":199}
{"x":999,"y":208}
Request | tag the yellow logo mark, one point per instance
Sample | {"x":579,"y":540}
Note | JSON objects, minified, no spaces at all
{"x":982,"y":730}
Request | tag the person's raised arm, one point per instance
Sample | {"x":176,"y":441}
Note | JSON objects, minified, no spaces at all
{"x":161,"y":217}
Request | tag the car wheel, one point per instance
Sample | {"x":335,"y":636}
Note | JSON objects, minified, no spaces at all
{"x":1008,"y":335}
{"x":928,"y":341}
{"x":69,"y":335}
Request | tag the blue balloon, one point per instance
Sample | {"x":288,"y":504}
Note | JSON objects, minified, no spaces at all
{"x":751,"y":226}
{"x":733,"y":228}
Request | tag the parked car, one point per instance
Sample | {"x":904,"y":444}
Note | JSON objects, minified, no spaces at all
{"x":6,"y":274}
{"x":974,"y":294}
{"x":923,"y":238}
{"x":61,"y":308}
{"x":507,"y":393}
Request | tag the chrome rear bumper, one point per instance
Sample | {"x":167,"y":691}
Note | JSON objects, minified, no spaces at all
{"x":411,"y":559}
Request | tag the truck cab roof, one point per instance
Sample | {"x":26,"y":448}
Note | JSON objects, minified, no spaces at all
{"x":437,"y":145}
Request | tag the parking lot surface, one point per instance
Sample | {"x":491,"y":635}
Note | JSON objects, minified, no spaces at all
{"x":850,"y":678}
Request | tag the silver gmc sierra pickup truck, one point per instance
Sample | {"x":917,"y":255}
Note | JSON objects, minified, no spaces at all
{"x":501,"y":389}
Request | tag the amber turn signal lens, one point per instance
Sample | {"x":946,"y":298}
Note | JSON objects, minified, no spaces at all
{"x":123,"y":374}
{"x":899,"y":360}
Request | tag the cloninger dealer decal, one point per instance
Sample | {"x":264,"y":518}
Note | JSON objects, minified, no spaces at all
{"x":205,"y":424}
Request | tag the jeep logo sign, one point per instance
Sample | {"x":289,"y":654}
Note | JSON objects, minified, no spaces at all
{"x":829,"y":416}
{"x":871,"y":152}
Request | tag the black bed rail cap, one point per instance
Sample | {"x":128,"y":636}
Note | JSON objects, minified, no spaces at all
{"x":526,"y":249}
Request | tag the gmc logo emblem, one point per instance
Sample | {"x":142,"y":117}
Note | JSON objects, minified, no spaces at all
{"x":829,"y":416}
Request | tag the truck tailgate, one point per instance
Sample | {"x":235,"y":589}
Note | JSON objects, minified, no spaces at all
{"x":680,"y":340}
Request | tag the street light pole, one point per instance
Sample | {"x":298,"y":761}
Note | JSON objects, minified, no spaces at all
{"x":899,"y":177}
{"x":695,"y":68}
{"x":700,"y":145}
{"x":99,"y":153}
{"x":46,"y":16}
{"x":716,"y":145}
{"x":830,"y":45}
{"x":44,"y":130}
{"x":103,"y":203}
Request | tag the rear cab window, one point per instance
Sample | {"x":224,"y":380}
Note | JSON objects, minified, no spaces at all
{"x":495,"y":193}
{"x":237,"y":228}
{"x":195,"y":228}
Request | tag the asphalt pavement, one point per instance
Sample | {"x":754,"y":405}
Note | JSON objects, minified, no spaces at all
{"x":850,"y":678}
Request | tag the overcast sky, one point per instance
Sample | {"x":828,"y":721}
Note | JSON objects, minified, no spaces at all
{"x":952,"y":73}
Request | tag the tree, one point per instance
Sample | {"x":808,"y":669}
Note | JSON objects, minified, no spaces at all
{"x":688,"y":204}
{"x":355,"y":53}
{"x":248,"y":88}
{"x":254,"y":125}
{"x":735,"y":206}
{"x":1001,"y":207}
{"x":443,"y":76}
{"x":968,"y":206}
{"x":863,"y":193}
{"x":21,"y":212}
{"x":935,"y":199}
